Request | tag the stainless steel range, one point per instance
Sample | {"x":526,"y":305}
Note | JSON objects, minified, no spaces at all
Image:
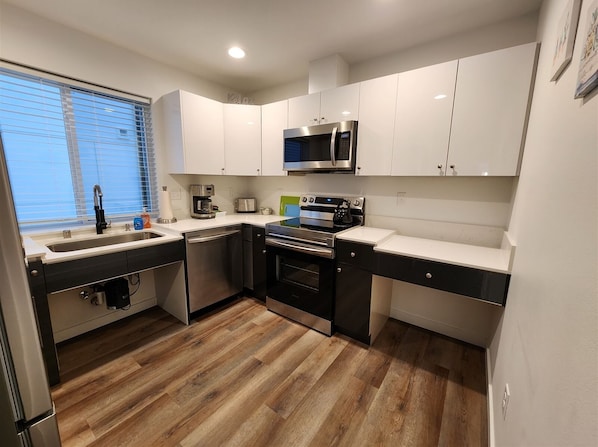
{"x":301,"y":258}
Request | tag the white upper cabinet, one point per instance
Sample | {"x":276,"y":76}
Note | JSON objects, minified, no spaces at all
{"x":423,"y":120}
{"x":194,"y":131}
{"x":490,"y":111}
{"x":329,"y":106}
{"x":340,"y":104}
{"x":377,"y":103}
{"x":304,"y":110}
{"x":274,"y":121}
{"x":242,"y":139}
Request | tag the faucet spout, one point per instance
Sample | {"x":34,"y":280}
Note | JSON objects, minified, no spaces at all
{"x":99,"y":210}
{"x":97,"y":193}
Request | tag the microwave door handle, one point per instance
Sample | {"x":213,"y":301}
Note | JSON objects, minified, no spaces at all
{"x":332,"y":146}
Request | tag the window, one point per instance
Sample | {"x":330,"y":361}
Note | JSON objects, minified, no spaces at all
{"x":60,"y":140}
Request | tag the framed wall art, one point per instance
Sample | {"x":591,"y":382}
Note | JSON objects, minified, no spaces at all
{"x":563,"y":49}
{"x":587,"y":77}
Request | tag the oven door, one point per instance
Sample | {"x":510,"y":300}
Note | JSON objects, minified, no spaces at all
{"x":302,"y":280}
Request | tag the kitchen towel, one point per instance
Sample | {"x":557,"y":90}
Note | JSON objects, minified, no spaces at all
{"x":165,"y":207}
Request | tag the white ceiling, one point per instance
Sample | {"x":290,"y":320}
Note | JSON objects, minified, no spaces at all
{"x":280,"y":37}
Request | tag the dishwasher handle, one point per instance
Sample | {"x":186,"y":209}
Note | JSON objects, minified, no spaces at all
{"x":200,"y":239}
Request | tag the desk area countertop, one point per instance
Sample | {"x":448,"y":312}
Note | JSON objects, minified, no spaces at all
{"x":387,"y":241}
{"x":490,"y":259}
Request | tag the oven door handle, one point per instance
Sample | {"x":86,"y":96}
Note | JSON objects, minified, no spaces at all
{"x":321,"y":252}
{"x":197,"y":240}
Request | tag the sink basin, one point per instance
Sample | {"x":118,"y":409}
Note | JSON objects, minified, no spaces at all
{"x":101,"y":241}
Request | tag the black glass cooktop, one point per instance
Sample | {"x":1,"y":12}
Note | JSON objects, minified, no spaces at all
{"x":326,"y":226}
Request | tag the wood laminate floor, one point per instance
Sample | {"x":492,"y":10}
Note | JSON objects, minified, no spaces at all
{"x":244,"y":376}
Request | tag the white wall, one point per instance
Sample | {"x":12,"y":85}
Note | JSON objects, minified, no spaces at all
{"x":546,"y":347}
{"x":31,"y":40}
{"x":500,"y":35}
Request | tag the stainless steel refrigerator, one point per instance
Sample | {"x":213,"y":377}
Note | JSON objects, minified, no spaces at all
{"x":27,"y":416}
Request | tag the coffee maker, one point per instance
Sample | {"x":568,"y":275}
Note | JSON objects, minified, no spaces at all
{"x":201,"y":204}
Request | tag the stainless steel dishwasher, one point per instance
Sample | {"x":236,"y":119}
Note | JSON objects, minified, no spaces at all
{"x":214,"y":265}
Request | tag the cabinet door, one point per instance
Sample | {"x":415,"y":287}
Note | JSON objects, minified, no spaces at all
{"x":352,"y":302}
{"x":423,"y":120}
{"x":259,"y":262}
{"x":339,"y":104}
{"x":41,"y":308}
{"x":491,"y":104}
{"x":304,"y":110}
{"x":203,"y":134}
{"x":242,"y":139}
{"x":377,"y":103}
{"x":274,"y":121}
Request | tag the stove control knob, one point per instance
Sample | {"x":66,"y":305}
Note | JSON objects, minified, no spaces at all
{"x":304,"y":199}
{"x":356,"y":202}
{"x":311,"y":200}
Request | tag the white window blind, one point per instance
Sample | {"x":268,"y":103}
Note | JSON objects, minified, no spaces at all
{"x":60,"y":140}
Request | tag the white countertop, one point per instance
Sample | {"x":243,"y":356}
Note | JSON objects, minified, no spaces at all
{"x":35,"y":245}
{"x":383,"y":240}
{"x":188,"y":225}
{"x":491,"y":259}
{"x":366,"y":235}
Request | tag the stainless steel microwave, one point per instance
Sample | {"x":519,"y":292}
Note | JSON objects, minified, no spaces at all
{"x":321,"y":148}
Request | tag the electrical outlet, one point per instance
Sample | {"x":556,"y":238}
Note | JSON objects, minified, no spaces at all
{"x":505,"y":400}
{"x":176,"y":194}
{"x":400,"y":197}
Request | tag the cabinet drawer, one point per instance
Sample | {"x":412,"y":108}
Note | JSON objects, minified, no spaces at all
{"x":154,"y":256}
{"x":475,"y":283}
{"x":68,"y":274}
{"x":360,"y":255}
{"x":257,"y":234}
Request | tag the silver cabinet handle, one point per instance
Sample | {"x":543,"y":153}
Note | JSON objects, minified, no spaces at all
{"x":352,"y":254}
{"x":338,"y":269}
{"x":199,"y":240}
{"x":34,"y":273}
{"x":428,"y":275}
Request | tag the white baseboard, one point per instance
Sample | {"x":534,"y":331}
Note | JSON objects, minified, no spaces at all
{"x":490,"y":400}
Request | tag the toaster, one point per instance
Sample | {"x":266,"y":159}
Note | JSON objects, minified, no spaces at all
{"x":245,"y":205}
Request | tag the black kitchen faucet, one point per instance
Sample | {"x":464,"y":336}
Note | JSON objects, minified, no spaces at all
{"x":97,"y":206}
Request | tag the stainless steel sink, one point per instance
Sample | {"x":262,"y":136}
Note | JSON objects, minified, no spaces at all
{"x":101,"y":241}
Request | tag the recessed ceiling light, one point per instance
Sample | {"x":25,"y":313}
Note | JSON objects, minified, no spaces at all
{"x":236,"y":52}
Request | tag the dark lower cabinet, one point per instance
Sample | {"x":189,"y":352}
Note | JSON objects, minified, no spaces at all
{"x":472,"y":282}
{"x":80,"y":272}
{"x":352,"y":303}
{"x":362,"y":299}
{"x":259,"y":263}
{"x":41,"y":308}
{"x":254,"y":261}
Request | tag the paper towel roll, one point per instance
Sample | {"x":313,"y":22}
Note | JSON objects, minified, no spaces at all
{"x":165,"y":208}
